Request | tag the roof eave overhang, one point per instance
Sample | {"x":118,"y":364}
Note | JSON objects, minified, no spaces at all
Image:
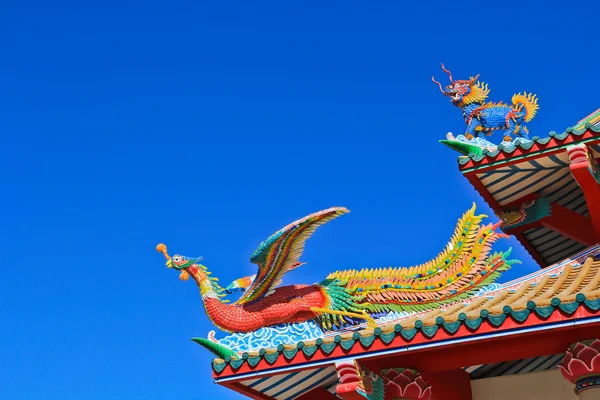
{"x":533,"y":337}
{"x":539,"y":148}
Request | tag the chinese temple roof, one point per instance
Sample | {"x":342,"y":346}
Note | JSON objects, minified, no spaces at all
{"x":446,"y":318}
{"x":516,"y":173}
{"x":566,"y":292}
{"x":508,"y":154}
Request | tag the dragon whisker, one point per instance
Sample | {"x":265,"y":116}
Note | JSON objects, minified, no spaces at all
{"x":439,"y":84}
{"x":448,"y":72}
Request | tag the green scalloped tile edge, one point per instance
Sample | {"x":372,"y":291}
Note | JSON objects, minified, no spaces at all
{"x":520,"y":315}
{"x":387,"y":337}
{"x":309,"y":350}
{"x":270,"y":358}
{"x":474,"y":323}
{"x":544,"y":140}
{"x":593,"y":305}
{"x":526,"y":146}
{"x":430,"y":331}
{"x":451,"y":327}
{"x":347,"y":344}
{"x":508,"y":149}
{"x":476,"y":157}
{"x":544,"y":312}
{"x":496,"y":320}
{"x":219,"y":367}
{"x":253,"y":361}
{"x":569,"y":308}
{"x":408,"y":334}
{"x":327,"y":348}
{"x":235,"y":364}
{"x":367,"y":341}
{"x":290,"y":354}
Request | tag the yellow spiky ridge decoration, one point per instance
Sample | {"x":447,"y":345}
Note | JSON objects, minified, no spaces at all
{"x":464,"y":265}
{"x":479,"y":92}
{"x":527,"y":103}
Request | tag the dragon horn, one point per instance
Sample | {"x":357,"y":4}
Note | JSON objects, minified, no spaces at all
{"x":439,"y":84}
{"x":474,"y":79}
{"x":448,"y":72}
{"x":161,"y":248}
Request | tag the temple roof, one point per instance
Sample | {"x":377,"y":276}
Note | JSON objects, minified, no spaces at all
{"x":507,"y":154}
{"x":506,"y":177}
{"x":568,"y":291}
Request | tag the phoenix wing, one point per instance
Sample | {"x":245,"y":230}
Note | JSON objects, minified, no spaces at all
{"x":280,"y":252}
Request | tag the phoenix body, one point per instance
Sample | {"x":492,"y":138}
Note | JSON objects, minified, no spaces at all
{"x":349,"y":296}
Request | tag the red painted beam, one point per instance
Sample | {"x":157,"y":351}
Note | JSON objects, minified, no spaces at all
{"x":572,"y":225}
{"x":318,"y":394}
{"x":591,"y":191}
{"x":566,"y":222}
{"x":488,"y":351}
{"x":449,"y":385}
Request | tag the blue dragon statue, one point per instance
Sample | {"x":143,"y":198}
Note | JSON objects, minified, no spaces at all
{"x":483,"y":117}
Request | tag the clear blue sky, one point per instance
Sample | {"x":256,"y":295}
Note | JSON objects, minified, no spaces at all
{"x":208,"y":127}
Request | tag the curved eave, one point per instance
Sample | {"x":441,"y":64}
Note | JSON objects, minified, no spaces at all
{"x":556,"y":142}
{"x":381,"y":345}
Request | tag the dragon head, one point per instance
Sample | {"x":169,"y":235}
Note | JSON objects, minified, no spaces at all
{"x":464,"y":91}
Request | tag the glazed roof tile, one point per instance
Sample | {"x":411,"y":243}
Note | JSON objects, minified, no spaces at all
{"x":537,"y":145}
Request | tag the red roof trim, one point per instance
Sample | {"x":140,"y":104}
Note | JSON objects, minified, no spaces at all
{"x":400,"y":344}
{"x":553,"y":144}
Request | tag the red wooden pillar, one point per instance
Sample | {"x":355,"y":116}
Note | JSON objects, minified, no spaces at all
{"x":449,"y":385}
{"x":585,"y":171}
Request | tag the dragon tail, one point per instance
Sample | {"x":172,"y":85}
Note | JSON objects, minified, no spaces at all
{"x":217,"y":349}
{"x":527,"y":103}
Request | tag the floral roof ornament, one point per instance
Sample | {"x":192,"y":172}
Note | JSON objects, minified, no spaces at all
{"x":581,"y":365}
{"x":405,"y":383}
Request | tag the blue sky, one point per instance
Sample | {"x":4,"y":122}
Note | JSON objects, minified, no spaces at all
{"x":208,"y":126}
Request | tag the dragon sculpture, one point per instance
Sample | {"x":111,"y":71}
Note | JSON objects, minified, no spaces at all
{"x":527,"y":213}
{"x":350,"y":296}
{"x":483,"y":118}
